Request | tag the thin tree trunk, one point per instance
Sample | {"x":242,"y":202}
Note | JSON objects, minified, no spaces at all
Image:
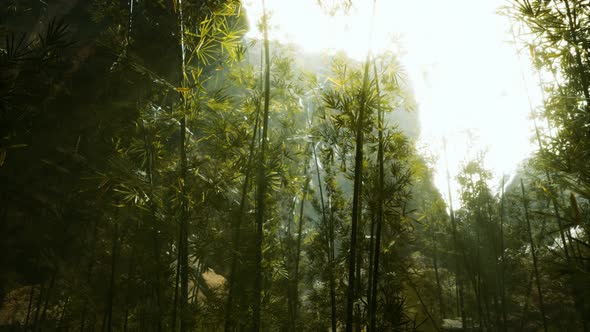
{"x":176,"y":284}
{"x":42,"y":291}
{"x":39,"y":324}
{"x":503,"y":259}
{"x":526,"y":302}
{"x":357,"y":190}
{"x":493,"y":323}
{"x":541,"y":149}
{"x":158,"y":280}
{"x":458,"y":280}
{"x":438,"y":283}
{"x":562,"y":233}
{"x":89,"y":274}
{"x":184,"y":232}
{"x":130,"y":273}
{"x":63,"y":314}
{"x":357,"y":318}
{"x":486,"y":302}
{"x":534,"y":254}
{"x":228,"y":322}
{"x":29,"y":307}
{"x":294,"y":294}
{"x":111,"y":293}
{"x":477,"y":287}
{"x":298,"y":250}
{"x":332,"y":246}
{"x":380,"y":214}
{"x":183,"y":265}
{"x":424,"y":307}
{"x":371,"y":254}
{"x":261,"y":182}
{"x":330,"y":255}
{"x":150,"y":173}
{"x":567,"y":245}
{"x":358,"y":173}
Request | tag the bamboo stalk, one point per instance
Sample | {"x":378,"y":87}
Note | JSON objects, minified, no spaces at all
{"x":380,"y":214}
{"x":228,"y":321}
{"x":458,"y":281}
{"x":534,"y":254}
{"x":298,"y":250}
{"x":261,"y":181}
{"x":325,"y":222}
{"x":183,"y":266}
{"x":503,"y":259}
{"x":357,"y":191}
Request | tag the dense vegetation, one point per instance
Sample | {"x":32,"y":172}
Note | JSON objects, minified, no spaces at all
{"x":161,"y":172}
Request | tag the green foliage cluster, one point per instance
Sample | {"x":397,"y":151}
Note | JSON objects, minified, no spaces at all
{"x":161,"y":172}
{"x":517,"y":259}
{"x":129,"y":168}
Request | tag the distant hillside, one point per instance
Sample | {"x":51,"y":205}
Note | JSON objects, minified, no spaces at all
{"x":319,"y":64}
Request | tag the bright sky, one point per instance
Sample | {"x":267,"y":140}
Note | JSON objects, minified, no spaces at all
{"x":465,"y":72}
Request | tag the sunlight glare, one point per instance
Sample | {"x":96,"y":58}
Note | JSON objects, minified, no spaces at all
{"x":471,"y":87}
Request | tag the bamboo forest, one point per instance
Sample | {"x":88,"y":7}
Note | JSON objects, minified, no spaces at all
{"x":294,"y":165}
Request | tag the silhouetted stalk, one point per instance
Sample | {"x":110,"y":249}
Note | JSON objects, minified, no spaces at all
{"x":130,"y":272}
{"x":358,"y":312}
{"x":332,"y":247}
{"x":42,"y":290}
{"x":503,"y":259}
{"x":111,"y":293}
{"x":357,"y":191}
{"x":358,"y":172}
{"x":126,"y":321}
{"x":542,"y":149}
{"x":371,"y":255}
{"x":198,"y":280}
{"x":228,"y":322}
{"x":30,"y":305}
{"x":176,"y":285}
{"x":458,"y":281}
{"x":131,"y":261}
{"x":153,"y":210}
{"x":563,"y":232}
{"x":477,"y":286}
{"x":548,"y":175}
{"x":424,"y":307}
{"x":526,"y":302}
{"x":438,"y":283}
{"x":182,"y":265}
{"x":492,"y":323}
{"x":380,"y":214}
{"x":534,"y":254}
{"x":290,"y":259}
{"x":89,"y":273}
{"x":497,"y":322}
{"x":295,"y":304}
{"x":39,"y":323}
{"x":63,"y":313}
{"x":330,"y":242}
{"x":568,"y":247}
{"x":261,"y":180}
{"x":184,"y":231}
{"x":158,"y":280}
{"x":486,"y":302}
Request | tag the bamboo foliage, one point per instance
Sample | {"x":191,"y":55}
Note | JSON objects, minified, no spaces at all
{"x":204,"y":180}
